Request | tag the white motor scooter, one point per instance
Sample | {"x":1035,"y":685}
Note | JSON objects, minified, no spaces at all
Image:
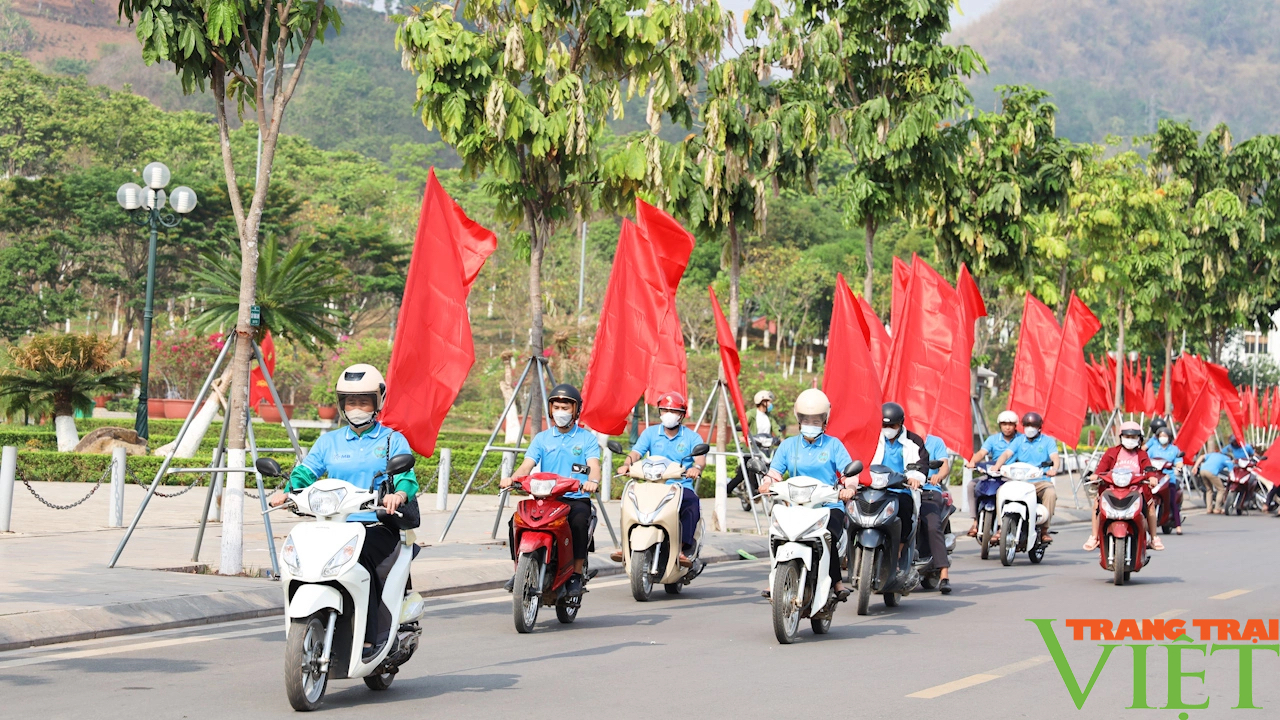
{"x":1020,"y":514}
{"x":801,"y":553}
{"x":327,"y":590}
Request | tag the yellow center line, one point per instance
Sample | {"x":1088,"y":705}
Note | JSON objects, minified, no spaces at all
{"x":978,"y":679}
{"x":1231,"y":594}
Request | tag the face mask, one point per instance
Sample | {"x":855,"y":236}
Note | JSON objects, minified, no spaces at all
{"x":768,"y":407}
{"x":670,"y":420}
{"x":811,"y":431}
{"x":359,"y":418}
{"x":1164,"y":440}
{"x":562,"y":418}
{"x":1129,"y":443}
{"x":1031,"y":432}
{"x":889,"y":433}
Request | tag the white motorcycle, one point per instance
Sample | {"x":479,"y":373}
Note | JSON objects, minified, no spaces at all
{"x":1020,"y":514}
{"x":801,"y":552}
{"x":327,"y":589}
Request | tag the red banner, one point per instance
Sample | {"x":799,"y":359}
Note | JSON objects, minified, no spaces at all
{"x":673,"y":245}
{"x":850,"y":379}
{"x":1068,"y":391}
{"x":433,"y":350}
{"x":1201,"y":420}
{"x":1228,"y":396}
{"x":259,"y":391}
{"x":1039,"y":341}
{"x":731,"y":364}
{"x":880,"y":343}
{"x":1149,"y":392}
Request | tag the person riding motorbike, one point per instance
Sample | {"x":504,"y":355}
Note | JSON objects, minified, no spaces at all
{"x":1239,"y":450}
{"x":568,"y":451}
{"x":673,"y":441}
{"x":1128,"y":455}
{"x":1154,"y":427}
{"x":903,"y":452}
{"x":762,"y":423}
{"x":1161,"y":447}
{"x":931,"y":507}
{"x":1036,"y":449}
{"x":356,"y":453}
{"x":1211,"y":468}
{"x":993,"y":447}
{"x":813,"y":453}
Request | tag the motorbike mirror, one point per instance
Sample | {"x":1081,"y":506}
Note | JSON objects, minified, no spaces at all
{"x":853,"y":468}
{"x":700,"y":449}
{"x":268,"y":467}
{"x":614,"y":446}
{"x":935,"y":464}
{"x":401,"y":463}
{"x":1150,"y":468}
{"x":757,"y":466}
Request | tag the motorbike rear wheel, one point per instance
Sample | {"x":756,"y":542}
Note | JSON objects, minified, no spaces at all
{"x":1008,"y":543}
{"x":673,"y":588}
{"x":892,"y":599}
{"x":641,"y":580}
{"x":567,"y":611}
{"x":786,"y":596}
{"x":379,"y":682}
{"x":303,"y":683}
{"x":865,"y":562}
{"x":820,"y":625}
{"x":1121,"y":558}
{"x":524,"y":602}
{"x":929,"y":581}
{"x":1036,"y":554}
{"x":984,"y":537}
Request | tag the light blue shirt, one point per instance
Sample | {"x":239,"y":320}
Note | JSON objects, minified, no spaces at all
{"x":996,"y":445}
{"x":565,"y":454}
{"x":345,"y":455}
{"x":1169,"y":453}
{"x":892,"y":457}
{"x":1035,"y":452}
{"x":1241,"y":453}
{"x":937,"y":450}
{"x":823,"y":459}
{"x":655,"y":442}
{"x":1215,"y":463}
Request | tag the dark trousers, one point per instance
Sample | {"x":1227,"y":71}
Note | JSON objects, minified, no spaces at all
{"x":835,"y":526}
{"x":738,"y":479}
{"x":375,"y":555}
{"x":1273,"y":497}
{"x":690,"y":513}
{"x":931,"y":524}
{"x":579,"y":527}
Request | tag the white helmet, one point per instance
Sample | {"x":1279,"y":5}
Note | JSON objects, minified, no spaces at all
{"x":362,"y":379}
{"x":1008,"y":416}
{"x":763,"y":396}
{"x":812,"y":402}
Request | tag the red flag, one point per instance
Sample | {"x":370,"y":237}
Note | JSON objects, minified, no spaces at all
{"x":1133,"y":400}
{"x":922,"y":376}
{"x":1149,"y":392}
{"x":850,"y":378}
{"x":259,"y":391}
{"x":1068,"y":395}
{"x":635,"y":305}
{"x":1105,"y":380}
{"x":1228,"y":396}
{"x":902,"y":273}
{"x":1201,"y":420}
{"x":1255,"y":414}
{"x":433,"y":350}
{"x":1039,"y":340}
{"x":970,"y":297}
{"x":880,"y":342}
{"x":731,"y":363}
{"x":673,"y":245}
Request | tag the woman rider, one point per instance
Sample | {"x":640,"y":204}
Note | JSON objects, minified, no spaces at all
{"x":813,"y":453}
{"x":1130,"y":456}
{"x":1161,"y":447}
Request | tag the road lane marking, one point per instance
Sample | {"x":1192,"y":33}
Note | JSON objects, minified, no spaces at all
{"x":96,"y":652}
{"x":1231,"y":594}
{"x":1169,"y":614}
{"x":980,"y":678}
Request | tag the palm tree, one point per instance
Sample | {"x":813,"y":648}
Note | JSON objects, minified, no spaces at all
{"x":295,"y":292}
{"x":65,"y":372}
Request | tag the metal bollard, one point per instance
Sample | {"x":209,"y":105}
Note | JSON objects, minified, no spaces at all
{"x":606,"y":475}
{"x":115,"y":509}
{"x":442,"y":480}
{"x":8,"y":473}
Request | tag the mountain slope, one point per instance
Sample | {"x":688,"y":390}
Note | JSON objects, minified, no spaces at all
{"x":1115,"y":66}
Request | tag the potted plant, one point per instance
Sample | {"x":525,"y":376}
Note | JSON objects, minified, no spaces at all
{"x":326,"y":401}
{"x":268,"y":411}
{"x":183,"y":359}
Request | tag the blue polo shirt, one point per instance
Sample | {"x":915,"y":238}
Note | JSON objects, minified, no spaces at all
{"x":996,"y":445}
{"x":823,"y":459}
{"x":1215,"y":463}
{"x":937,"y":451}
{"x":892,"y":457}
{"x":1169,"y":453}
{"x":655,"y":442}
{"x":1035,"y":452}
{"x":345,"y":455}
{"x":1241,"y":453}
{"x":558,"y":452}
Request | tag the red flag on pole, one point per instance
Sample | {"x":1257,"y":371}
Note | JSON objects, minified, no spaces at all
{"x":1149,"y":392}
{"x":731,"y":363}
{"x":881,"y":344}
{"x":850,"y":378}
{"x":433,"y":350}
{"x":902,"y":273}
{"x":1039,"y":340}
{"x":259,"y":391}
{"x":635,"y":305}
{"x":1133,"y":400}
{"x":1201,"y":420}
{"x":1228,"y":396}
{"x":673,"y":245}
{"x":1068,"y":396}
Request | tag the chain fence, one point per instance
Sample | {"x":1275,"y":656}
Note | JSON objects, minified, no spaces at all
{"x":27,"y":482}
{"x":198,"y":476}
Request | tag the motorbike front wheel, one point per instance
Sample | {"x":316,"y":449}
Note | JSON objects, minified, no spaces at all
{"x":1233,"y":501}
{"x":526,"y":597}
{"x":865,"y":562}
{"x":1121,"y":556}
{"x":984,"y":537}
{"x":1008,"y":543}
{"x":786,"y":600}
{"x":303,"y":681}
{"x":641,"y":580}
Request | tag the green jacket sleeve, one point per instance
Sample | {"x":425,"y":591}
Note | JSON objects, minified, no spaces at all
{"x":407,"y":483}
{"x":300,"y":477}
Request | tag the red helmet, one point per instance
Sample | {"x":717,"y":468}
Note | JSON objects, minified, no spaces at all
{"x":673,"y":401}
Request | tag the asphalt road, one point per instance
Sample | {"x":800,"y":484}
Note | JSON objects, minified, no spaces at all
{"x":711,"y":653}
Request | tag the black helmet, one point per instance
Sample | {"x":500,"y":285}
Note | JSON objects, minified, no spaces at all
{"x":1158,"y":422}
{"x":891,"y":413}
{"x":565,"y":391}
{"x":1032,"y":419}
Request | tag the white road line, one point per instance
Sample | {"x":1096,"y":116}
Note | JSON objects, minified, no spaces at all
{"x":978,"y":679}
{"x":1231,"y":594}
{"x":96,"y":652}
{"x":1169,"y":614}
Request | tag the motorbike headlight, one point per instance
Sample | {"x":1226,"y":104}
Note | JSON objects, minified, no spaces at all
{"x":541,"y":488}
{"x":653,"y":470}
{"x":340,"y":558}
{"x":649,"y":517}
{"x":289,"y":555}
{"x":817,"y":527}
{"x":801,"y":494}
{"x":325,"y":502}
{"x":1121,"y":479}
{"x":879,"y":481}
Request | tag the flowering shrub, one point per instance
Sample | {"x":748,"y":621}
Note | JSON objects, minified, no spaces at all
{"x":183,"y":360}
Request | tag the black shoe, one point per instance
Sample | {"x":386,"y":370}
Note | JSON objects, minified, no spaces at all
{"x":591,"y":574}
{"x":369,"y":653}
{"x":766,"y":594}
{"x":510,"y":586}
{"x":573,"y":586}
{"x":944,"y":586}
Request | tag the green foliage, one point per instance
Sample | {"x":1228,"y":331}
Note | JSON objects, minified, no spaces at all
{"x":181,"y":362}
{"x":16,"y":34}
{"x":64,"y":372}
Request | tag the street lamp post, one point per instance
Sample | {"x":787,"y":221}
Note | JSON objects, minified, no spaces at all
{"x":145,"y":206}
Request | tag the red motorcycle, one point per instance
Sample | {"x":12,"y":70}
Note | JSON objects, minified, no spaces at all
{"x":1243,"y":487}
{"x":544,"y":550}
{"x":1163,"y":496}
{"x":1123,"y":529}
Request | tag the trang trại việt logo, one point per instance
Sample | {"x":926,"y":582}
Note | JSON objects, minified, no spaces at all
{"x":1171,"y":636}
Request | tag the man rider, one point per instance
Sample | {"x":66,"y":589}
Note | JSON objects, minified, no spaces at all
{"x":673,"y":441}
{"x":1212,"y":465}
{"x":1161,"y":447}
{"x":1239,"y":450}
{"x":1036,"y":449}
{"x":931,"y":506}
{"x":813,"y":453}
{"x":904,"y":452}
{"x":1128,"y":455}
{"x":762,"y":423}
{"x":356,"y":453}
{"x":568,"y":451}
{"x":993,"y":447}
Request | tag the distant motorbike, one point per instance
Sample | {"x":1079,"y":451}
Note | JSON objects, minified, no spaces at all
{"x":1123,"y":527}
{"x":1020,"y":514}
{"x":763,"y":446}
{"x":1162,"y":494}
{"x":985,"y":495}
{"x":1244,"y":491}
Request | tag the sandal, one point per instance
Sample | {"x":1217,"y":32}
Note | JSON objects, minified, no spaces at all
{"x":1177,"y":530}
{"x":973,"y":531}
{"x":1091,"y":544}
{"x":1156,"y":544}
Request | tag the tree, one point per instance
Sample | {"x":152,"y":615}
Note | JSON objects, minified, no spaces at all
{"x":41,"y":251}
{"x":785,"y":283}
{"x":64,"y":372}
{"x":523,"y":91}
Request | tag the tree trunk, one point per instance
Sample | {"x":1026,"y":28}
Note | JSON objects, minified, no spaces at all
{"x":1168,"y":373}
{"x":538,"y":237}
{"x":65,"y":430}
{"x":735,"y":276}
{"x":1120,"y":354}
{"x":871,"y":262}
